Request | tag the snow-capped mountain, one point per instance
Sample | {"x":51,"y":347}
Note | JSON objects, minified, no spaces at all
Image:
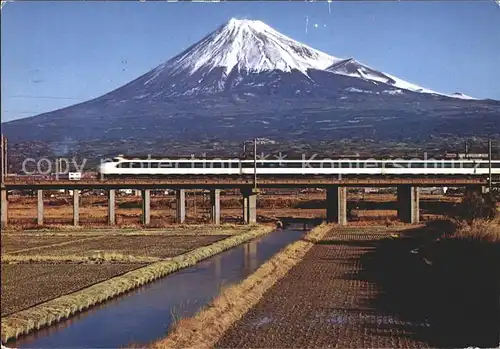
{"x":353,"y":68}
{"x":250,"y":46}
{"x":249,"y":53}
{"x":246,"y":80}
{"x":238,"y":53}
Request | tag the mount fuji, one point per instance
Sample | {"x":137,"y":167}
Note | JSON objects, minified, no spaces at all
{"x":246,"y":79}
{"x":242,"y":53}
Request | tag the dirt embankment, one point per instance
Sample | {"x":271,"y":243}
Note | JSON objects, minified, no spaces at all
{"x":445,"y":273}
{"x":203,"y":330}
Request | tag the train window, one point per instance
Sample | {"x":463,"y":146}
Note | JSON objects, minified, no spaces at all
{"x":295,"y":164}
{"x":129,"y":164}
{"x":183,"y":165}
{"x":487,"y":165}
{"x":369,"y":164}
{"x":327,"y":164}
{"x":395,"y":165}
{"x":418,"y":164}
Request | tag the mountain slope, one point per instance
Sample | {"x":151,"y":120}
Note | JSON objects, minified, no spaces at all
{"x":236,"y":54}
{"x":353,"y":68}
{"x":247,"y":80}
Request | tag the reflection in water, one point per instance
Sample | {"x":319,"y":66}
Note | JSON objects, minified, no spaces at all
{"x":146,"y":314}
{"x":253,"y":255}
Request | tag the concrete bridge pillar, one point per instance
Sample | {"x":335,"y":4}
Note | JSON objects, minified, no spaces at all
{"x":4,"y":203}
{"x":336,"y":204}
{"x":408,"y":204}
{"x":76,"y":207}
{"x":215,"y":206}
{"x":39,"y":207}
{"x":111,"y":207}
{"x":146,"y":206}
{"x":180,"y":203}
{"x":249,"y":205}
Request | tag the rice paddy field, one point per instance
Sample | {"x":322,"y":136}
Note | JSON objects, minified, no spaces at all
{"x":138,"y":246}
{"x":43,"y":265}
{"x":25,"y":285}
{"x":379,"y":288}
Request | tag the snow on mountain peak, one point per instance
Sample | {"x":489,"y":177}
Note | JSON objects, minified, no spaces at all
{"x":353,"y":68}
{"x":249,"y":45}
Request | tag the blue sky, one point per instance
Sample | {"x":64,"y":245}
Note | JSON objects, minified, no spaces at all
{"x":56,"y":54}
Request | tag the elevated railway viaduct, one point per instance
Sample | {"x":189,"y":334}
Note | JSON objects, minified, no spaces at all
{"x":336,"y":189}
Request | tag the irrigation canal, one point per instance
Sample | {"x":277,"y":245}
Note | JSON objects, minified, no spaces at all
{"x":146,"y":314}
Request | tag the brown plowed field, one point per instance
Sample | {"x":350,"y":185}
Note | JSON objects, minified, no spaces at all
{"x":328,"y":300}
{"x":12,"y":243}
{"x":150,"y":246}
{"x":25,"y":285}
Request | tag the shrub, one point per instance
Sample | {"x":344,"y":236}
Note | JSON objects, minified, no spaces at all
{"x":478,"y":206}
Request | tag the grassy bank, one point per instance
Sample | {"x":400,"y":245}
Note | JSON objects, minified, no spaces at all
{"x":96,"y":258}
{"x":60,"y":308}
{"x":204,"y":329}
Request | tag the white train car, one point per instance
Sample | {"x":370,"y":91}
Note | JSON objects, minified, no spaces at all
{"x":121,"y":166}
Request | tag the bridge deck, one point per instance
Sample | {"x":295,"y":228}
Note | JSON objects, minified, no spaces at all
{"x":239,"y":181}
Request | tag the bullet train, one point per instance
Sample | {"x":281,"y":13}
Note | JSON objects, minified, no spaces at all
{"x":122,"y":166}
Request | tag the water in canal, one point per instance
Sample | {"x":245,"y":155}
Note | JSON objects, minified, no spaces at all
{"x":145,"y":314}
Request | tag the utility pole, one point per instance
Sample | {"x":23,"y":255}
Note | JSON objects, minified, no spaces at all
{"x":4,"y":165}
{"x":255,"y":164}
{"x":489,"y":165}
{"x":3,"y":161}
{"x":194,"y":194}
{"x":466,"y":149}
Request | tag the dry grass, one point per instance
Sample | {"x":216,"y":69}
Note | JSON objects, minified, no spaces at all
{"x":95,"y":258}
{"x":203,"y":330}
{"x":60,"y":308}
{"x":12,"y":244}
{"x":171,"y":230}
{"x":480,"y":230}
